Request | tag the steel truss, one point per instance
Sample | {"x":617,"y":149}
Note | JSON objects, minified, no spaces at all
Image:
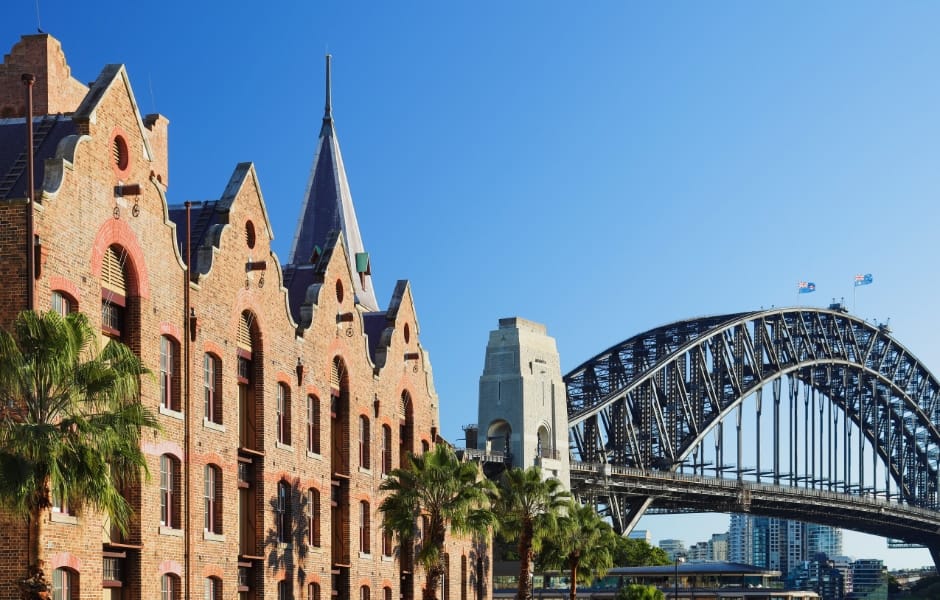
{"x":852,"y":411}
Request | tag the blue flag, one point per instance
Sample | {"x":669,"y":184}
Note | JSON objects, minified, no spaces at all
{"x":865,"y":279}
{"x":805,"y":287}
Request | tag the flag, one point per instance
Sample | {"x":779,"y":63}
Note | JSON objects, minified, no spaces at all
{"x":805,"y":287}
{"x":865,"y":279}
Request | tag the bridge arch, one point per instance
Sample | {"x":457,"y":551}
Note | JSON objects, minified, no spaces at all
{"x":650,"y":403}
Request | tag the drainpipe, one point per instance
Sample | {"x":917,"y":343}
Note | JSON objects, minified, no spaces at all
{"x":28,"y":80}
{"x":187,"y":421}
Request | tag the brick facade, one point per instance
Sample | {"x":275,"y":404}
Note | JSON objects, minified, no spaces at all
{"x":104,"y":195}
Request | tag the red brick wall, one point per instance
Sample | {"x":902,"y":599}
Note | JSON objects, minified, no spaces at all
{"x":77,"y":225}
{"x":55,"y":90}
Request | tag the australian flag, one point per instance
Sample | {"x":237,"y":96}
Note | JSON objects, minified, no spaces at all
{"x":865,"y":279}
{"x":805,"y":287}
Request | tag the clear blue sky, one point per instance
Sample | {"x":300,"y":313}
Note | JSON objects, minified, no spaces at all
{"x":601,"y":167}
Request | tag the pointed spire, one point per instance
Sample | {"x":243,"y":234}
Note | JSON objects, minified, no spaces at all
{"x":328,"y":111}
{"x":328,"y":207}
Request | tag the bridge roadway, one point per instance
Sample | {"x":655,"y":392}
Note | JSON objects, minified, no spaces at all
{"x":604,"y":484}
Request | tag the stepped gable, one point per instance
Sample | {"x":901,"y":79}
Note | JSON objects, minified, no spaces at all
{"x":328,"y":207}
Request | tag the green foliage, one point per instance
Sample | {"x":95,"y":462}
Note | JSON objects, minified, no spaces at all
{"x":445,"y":494}
{"x":638,"y":553}
{"x":926,"y":588}
{"x":583,"y":544}
{"x":639,"y":592}
{"x":529,"y":507}
{"x":71,"y":421}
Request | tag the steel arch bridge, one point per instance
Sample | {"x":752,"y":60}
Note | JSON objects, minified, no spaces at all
{"x":802,"y":413}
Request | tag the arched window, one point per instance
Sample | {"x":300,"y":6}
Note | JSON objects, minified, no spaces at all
{"x":447,"y":582}
{"x":425,"y":446}
{"x":169,"y":492}
{"x":64,"y":584}
{"x":386,"y":593}
{"x":313,"y":424}
{"x":113,"y":291}
{"x":283,"y":414}
{"x":464,"y":577}
{"x":340,"y":434}
{"x":170,"y":587}
{"x":313,"y":591}
{"x":313,"y":517}
{"x":283,"y":512}
{"x":213,"y":588}
{"x":406,"y":429}
{"x":63,"y":303}
{"x":364,"y":593}
{"x":386,"y":449}
{"x":364,"y":527}
{"x":283,"y":590}
{"x":169,"y":374}
{"x":212,"y":387}
{"x":365,"y":442}
{"x":213,"y":499}
{"x":244,"y":345}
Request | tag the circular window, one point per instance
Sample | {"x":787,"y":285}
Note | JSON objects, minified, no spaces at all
{"x":339,"y":291}
{"x":407,"y":333}
{"x":250,"y":234}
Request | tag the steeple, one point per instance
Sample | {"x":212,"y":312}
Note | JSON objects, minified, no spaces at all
{"x":327,"y":206}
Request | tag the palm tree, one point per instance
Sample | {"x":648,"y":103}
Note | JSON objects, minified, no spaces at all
{"x":70,"y":426}
{"x":446,"y":495}
{"x":528,"y":508}
{"x":583,"y":543}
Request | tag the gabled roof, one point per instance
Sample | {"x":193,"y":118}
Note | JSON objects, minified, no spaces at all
{"x":328,"y":207}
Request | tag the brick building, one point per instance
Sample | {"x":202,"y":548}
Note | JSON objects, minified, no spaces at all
{"x":284,"y":392}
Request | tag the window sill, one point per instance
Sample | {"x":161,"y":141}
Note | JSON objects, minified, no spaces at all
{"x":213,"y":425}
{"x":170,"y":531}
{"x":387,"y":558}
{"x":212,"y":537}
{"x":169,"y":412}
{"x":314,"y":455}
{"x":365,"y":470}
{"x":365,"y":555}
{"x":57,"y":517}
{"x":285,"y":447}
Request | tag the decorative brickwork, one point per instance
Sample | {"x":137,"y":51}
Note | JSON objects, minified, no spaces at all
{"x":234,"y":292}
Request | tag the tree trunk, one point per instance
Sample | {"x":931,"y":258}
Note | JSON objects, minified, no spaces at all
{"x":434,"y":575}
{"x":35,"y":586}
{"x":574,"y":579}
{"x":525,"y":559}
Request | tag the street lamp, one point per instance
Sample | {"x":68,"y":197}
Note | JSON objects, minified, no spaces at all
{"x":679,"y":559}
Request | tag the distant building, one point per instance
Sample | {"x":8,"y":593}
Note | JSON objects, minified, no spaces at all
{"x":641,"y":534}
{"x":869,"y":580}
{"x":673,"y":548}
{"x":780,"y":544}
{"x":718,"y":547}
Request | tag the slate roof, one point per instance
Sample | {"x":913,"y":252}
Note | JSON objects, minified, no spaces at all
{"x":48,"y":131}
{"x":327,"y":207}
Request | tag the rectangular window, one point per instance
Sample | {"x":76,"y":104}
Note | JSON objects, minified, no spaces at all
{"x":168,"y":478}
{"x":386,"y":449}
{"x":313,"y":517}
{"x":364,"y":442}
{"x":313,"y":424}
{"x":209,"y":494}
{"x":364,"y":526}
{"x":212,"y":393}
{"x":169,"y":392}
{"x":283,"y":414}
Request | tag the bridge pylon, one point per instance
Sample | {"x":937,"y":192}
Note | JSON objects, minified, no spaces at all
{"x":522,"y":408}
